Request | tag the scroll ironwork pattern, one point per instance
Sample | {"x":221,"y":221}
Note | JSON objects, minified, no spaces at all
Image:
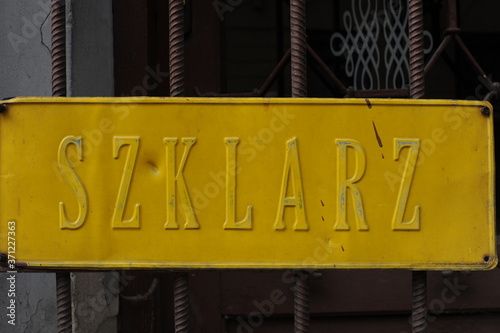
{"x":375,"y":30}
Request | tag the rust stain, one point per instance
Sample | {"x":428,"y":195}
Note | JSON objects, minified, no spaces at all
{"x":379,"y":140}
{"x":368,"y":103}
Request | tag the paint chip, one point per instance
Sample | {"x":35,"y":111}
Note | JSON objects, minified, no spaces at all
{"x":368,"y":103}
{"x":379,"y":140}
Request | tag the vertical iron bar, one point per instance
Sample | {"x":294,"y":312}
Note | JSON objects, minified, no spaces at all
{"x":64,"y":319}
{"x":419,"y":310}
{"x":58,"y":27}
{"x":416,"y":35}
{"x":417,"y":89}
{"x":301,"y":301}
{"x":452,"y":14}
{"x":298,"y":47}
{"x":176,"y":67}
{"x":58,"y":37}
{"x":176,"y":47}
{"x":181,"y":302}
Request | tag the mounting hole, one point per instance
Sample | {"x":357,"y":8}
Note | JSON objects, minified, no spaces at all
{"x":486,"y":258}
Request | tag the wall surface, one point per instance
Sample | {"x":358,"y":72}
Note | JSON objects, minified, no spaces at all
{"x":25,"y":65}
{"x":25,"y":70}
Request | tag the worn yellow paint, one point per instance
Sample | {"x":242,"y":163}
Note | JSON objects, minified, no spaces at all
{"x":74,"y":181}
{"x":172,"y":179}
{"x":292,"y":165}
{"x":230,"y":185}
{"x":312,"y":183}
{"x":124,"y":187}
{"x":405,"y":188}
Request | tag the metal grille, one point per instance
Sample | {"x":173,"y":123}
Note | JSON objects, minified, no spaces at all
{"x":405,"y":71}
{"x":372,"y":44}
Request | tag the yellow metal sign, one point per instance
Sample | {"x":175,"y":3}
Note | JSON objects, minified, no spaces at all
{"x":247,"y":183}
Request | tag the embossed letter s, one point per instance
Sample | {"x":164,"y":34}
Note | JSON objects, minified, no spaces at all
{"x":73,"y":181}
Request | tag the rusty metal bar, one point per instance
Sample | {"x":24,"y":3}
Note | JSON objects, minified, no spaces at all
{"x":298,"y":46}
{"x":419,"y":310}
{"x":58,"y":27}
{"x":58,"y":43}
{"x":176,"y":66}
{"x":452,"y":14}
{"x":416,"y":35}
{"x":417,"y":90}
{"x":327,"y":70}
{"x":451,"y":31}
{"x":64,"y":319}
{"x":176,"y":47}
{"x":181,"y":303}
{"x":299,"y":89}
{"x":301,"y":301}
